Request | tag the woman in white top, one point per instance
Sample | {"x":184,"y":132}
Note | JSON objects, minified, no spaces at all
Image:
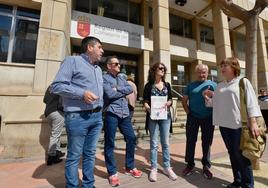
{"x":226,"y":114}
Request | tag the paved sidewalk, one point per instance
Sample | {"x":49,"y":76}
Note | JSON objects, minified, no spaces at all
{"x":33,"y":173}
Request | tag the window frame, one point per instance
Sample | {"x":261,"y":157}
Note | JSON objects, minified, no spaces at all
{"x":12,"y":35}
{"x":112,"y":15}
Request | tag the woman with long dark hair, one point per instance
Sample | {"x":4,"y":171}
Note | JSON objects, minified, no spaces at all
{"x":157,"y":86}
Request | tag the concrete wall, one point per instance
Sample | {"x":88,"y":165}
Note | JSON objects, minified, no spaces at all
{"x":16,"y":79}
{"x":23,"y":130}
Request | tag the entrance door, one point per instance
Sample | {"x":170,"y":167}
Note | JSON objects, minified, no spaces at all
{"x":179,"y":77}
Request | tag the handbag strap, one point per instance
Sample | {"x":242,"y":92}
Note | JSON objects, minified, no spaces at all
{"x":243,"y":103}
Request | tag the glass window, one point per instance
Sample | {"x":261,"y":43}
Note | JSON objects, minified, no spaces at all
{"x":117,"y":9}
{"x":5,"y":26}
{"x":134,"y":13}
{"x":242,"y":73}
{"x":28,"y":13}
{"x":206,"y":34}
{"x":240,"y":45}
{"x":213,"y":75}
{"x":150,"y":17}
{"x":25,"y":41}
{"x":6,"y":9}
{"x":181,"y":74}
{"x":187,"y":28}
{"x":83,"y":6}
{"x":180,"y":26}
{"x":18,"y":34}
{"x":176,"y":25}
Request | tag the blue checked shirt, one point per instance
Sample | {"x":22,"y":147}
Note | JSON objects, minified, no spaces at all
{"x":76,"y":75}
{"x":115,"y":100}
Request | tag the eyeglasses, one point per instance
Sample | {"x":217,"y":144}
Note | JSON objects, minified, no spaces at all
{"x":116,"y":64}
{"x":161,"y":68}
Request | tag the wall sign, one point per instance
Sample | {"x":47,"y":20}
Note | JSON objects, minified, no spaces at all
{"x":107,"y":30}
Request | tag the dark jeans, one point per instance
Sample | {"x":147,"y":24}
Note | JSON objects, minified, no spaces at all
{"x":207,"y":130}
{"x":241,"y":166}
{"x":125,"y":127}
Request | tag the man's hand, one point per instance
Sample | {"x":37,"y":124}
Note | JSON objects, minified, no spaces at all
{"x":90,"y":97}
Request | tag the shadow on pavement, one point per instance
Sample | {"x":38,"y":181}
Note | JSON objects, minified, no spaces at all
{"x":53,"y":174}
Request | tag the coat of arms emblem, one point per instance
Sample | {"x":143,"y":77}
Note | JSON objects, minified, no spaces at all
{"x":83,"y":26}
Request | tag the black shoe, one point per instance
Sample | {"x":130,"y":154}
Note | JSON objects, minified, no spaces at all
{"x":53,"y":160}
{"x":59,"y":154}
{"x":233,"y":185}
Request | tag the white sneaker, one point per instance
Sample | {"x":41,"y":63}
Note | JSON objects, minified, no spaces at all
{"x":169,"y":172}
{"x":153,"y":175}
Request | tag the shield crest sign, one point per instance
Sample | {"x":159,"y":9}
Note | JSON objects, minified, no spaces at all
{"x":83,"y":28}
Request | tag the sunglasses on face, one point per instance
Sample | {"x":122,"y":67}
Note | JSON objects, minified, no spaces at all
{"x":161,"y":68}
{"x":116,"y":64}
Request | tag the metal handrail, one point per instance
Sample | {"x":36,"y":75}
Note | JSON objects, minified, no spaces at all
{"x":177,"y":93}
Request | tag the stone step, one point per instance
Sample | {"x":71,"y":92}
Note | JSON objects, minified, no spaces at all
{"x":139,"y":113}
{"x":139,"y":108}
{"x":180,"y":110}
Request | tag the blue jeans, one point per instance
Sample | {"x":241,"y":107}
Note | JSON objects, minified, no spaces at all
{"x":207,"y":131}
{"x":124,"y":124}
{"x":162,"y":126}
{"x":83,"y":130}
{"x":241,"y":166}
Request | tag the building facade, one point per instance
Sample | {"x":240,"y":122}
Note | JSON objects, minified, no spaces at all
{"x":36,"y":35}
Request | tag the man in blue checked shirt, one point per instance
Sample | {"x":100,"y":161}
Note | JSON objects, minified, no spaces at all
{"x":116,"y":88}
{"x":79,"y":82}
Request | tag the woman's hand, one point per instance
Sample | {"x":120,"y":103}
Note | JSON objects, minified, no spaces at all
{"x":147,"y":107}
{"x":253,"y":127}
{"x":168,"y":103}
{"x":208,"y":93}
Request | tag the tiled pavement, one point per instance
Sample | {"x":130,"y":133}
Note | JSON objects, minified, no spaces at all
{"x":33,"y":173}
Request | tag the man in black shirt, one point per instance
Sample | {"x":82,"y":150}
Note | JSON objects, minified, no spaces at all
{"x":54,"y":115}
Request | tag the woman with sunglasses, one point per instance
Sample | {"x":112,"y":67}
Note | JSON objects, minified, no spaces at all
{"x":157,"y":86}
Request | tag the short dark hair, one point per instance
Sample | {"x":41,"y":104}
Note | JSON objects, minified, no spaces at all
{"x":109,"y":59}
{"x":88,"y":41}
